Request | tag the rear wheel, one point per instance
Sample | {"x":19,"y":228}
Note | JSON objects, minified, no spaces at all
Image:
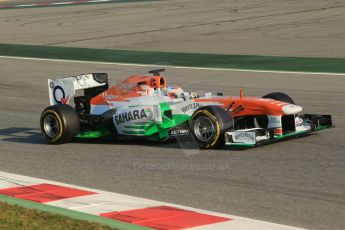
{"x":59,"y":123}
{"x":208,"y":126}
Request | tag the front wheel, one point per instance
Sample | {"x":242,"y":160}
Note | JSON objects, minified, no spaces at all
{"x":208,"y":126}
{"x":279,"y":96}
{"x":59,"y":123}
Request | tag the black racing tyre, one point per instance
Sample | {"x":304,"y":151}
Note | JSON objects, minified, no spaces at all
{"x":208,"y":126}
{"x":280,"y":97}
{"x":59,"y":123}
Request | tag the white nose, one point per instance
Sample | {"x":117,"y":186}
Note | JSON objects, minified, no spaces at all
{"x":291,"y":109}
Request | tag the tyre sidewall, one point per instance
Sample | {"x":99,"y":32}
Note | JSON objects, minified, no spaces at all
{"x":221,"y":121}
{"x":68,"y":122}
{"x":57,"y":137}
{"x":216,"y":125}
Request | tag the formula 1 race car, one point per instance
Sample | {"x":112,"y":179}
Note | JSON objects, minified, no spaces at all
{"x":145,"y":107}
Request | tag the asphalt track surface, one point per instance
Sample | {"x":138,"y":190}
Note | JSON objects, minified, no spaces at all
{"x":299,"y":182}
{"x":263,"y":27}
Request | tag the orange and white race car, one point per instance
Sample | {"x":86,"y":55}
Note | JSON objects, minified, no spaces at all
{"x":146,"y":107}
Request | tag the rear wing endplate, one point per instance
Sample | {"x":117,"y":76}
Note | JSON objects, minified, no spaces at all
{"x":62,"y":90}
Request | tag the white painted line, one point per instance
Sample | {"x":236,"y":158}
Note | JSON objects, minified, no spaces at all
{"x":174,"y":67}
{"x":95,"y":1}
{"x":26,"y":5}
{"x":104,"y":202}
{"x":62,"y":3}
{"x":53,"y":4}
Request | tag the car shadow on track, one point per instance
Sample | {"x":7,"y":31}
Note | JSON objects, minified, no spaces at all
{"x":170,"y":143}
{"x":186,"y":144}
{"x":22,"y":135}
{"x":34,"y":136}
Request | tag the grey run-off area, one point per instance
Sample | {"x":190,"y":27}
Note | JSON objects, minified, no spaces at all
{"x":262,"y":27}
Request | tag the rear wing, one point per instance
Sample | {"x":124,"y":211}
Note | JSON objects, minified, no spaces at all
{"x":62,"y":90}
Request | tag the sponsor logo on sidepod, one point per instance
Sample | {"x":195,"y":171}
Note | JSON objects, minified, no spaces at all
{"x":191,"y":106}
{"x":133,"y":115}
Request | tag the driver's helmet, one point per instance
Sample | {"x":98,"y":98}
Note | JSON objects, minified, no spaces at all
{"x":175,"y":91}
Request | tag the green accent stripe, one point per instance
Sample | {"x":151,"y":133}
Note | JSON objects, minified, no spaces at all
{"x":291,"y":134}
{"x":93,"y":134}
{"x":72,"y":214}
{"x":321,"y":127}
{"x":252,"y":62}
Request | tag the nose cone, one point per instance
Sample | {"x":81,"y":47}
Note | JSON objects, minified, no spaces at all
{"x":291,"y":109}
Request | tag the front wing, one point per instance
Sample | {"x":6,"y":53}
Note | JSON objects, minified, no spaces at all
{"x":260,"y":136}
